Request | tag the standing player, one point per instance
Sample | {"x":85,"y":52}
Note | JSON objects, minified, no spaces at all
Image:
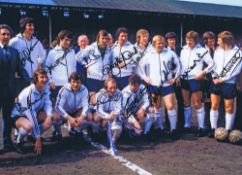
{"x":209,"y":41}
{"x":97,"y":57}
{"x":33,"y":111}
{"x":171,"y":44}
{"x":192,"y":57}
{"x":60,"y":63}
{"x":125,"y":58}
{"x":228,"y":66}
{"x":30,"y":48}
{"x":158,"y":75}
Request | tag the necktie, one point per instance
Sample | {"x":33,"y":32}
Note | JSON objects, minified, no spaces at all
{"x":5,"y":51}
{"x":211,"y":51}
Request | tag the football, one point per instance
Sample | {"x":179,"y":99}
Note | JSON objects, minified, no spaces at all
{"x":235,"y":136}
{"x":221,"y":134}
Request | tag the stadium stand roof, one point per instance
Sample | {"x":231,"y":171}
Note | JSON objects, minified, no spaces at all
{"x":155,"y":6}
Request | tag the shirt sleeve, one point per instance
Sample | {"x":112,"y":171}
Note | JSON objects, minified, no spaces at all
{"x":177,"y":62}
{"x":141,"y":69}
{"x":48,"y":104}
{"x":25,"y":101}
{"x":85,"y":103}
{"x":60,"y":102}
{"x":101,"y":98}
{"x":235,"y":70}
{"x":145,"y":98}
{"x":209,"y":61}
{"x":48,"y":65}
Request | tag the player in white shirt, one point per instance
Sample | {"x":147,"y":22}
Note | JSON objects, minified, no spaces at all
{"x":30,"y":49}
{"x":192,"y":58}
{"x":157,"y":73}
{"x":228,"y":60}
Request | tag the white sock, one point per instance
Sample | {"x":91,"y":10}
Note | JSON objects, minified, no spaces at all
{"x":187,"y":115}
{"x":200,"y":117}
{"x":21,"y":134}
{"x":229,"y":121}
{"x":172,"y":119}
{"x":15,"y":132}
{"x":149,"y":119}
{"x":213,"y":118}
{"x":158,"y":116}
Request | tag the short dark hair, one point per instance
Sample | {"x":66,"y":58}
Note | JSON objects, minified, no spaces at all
{"x":37,"y":72}
{"x":134,"y":78}
{"x":208,"y":35}
{"x":64,"y":33}
{"x":170,"y":35}
{"x":23,"y":21}
{"x":101,"y":33}
{"x":5,"y":26}
{"x":120,"y":30}
{"x":75,"y":76}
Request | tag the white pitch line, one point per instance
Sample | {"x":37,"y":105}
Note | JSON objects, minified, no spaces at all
{"x":121,"y":159}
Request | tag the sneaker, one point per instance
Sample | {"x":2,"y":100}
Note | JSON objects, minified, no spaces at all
{"x":20,"y":148}
{"x":211,"y":133}
{"x":200,"y":133}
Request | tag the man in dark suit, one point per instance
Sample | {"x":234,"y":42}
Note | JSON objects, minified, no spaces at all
{"x":10,"y":66}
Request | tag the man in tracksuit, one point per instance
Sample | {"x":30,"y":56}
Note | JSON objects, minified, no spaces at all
{"x":109,"y":106}
{"x":31,"y":50}
{"x":32,"y":112}
{"x":72,"y":102}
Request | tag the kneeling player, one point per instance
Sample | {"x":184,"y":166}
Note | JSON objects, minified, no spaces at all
{"x":33,"y":111}
{"x":72,"y":103}
{"x":109,"y":106}
{"x":135,"y":102}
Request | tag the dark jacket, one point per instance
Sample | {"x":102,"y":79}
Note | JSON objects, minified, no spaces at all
{"x":11,"y":67}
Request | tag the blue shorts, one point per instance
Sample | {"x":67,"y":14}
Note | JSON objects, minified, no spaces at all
{"x":227,"y":90}
{"x":163,"y":91}
{"x":191,"y":85}
{"x":94,"y":85}
{"x":122,"y":82}
{"x":73,"y":114}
